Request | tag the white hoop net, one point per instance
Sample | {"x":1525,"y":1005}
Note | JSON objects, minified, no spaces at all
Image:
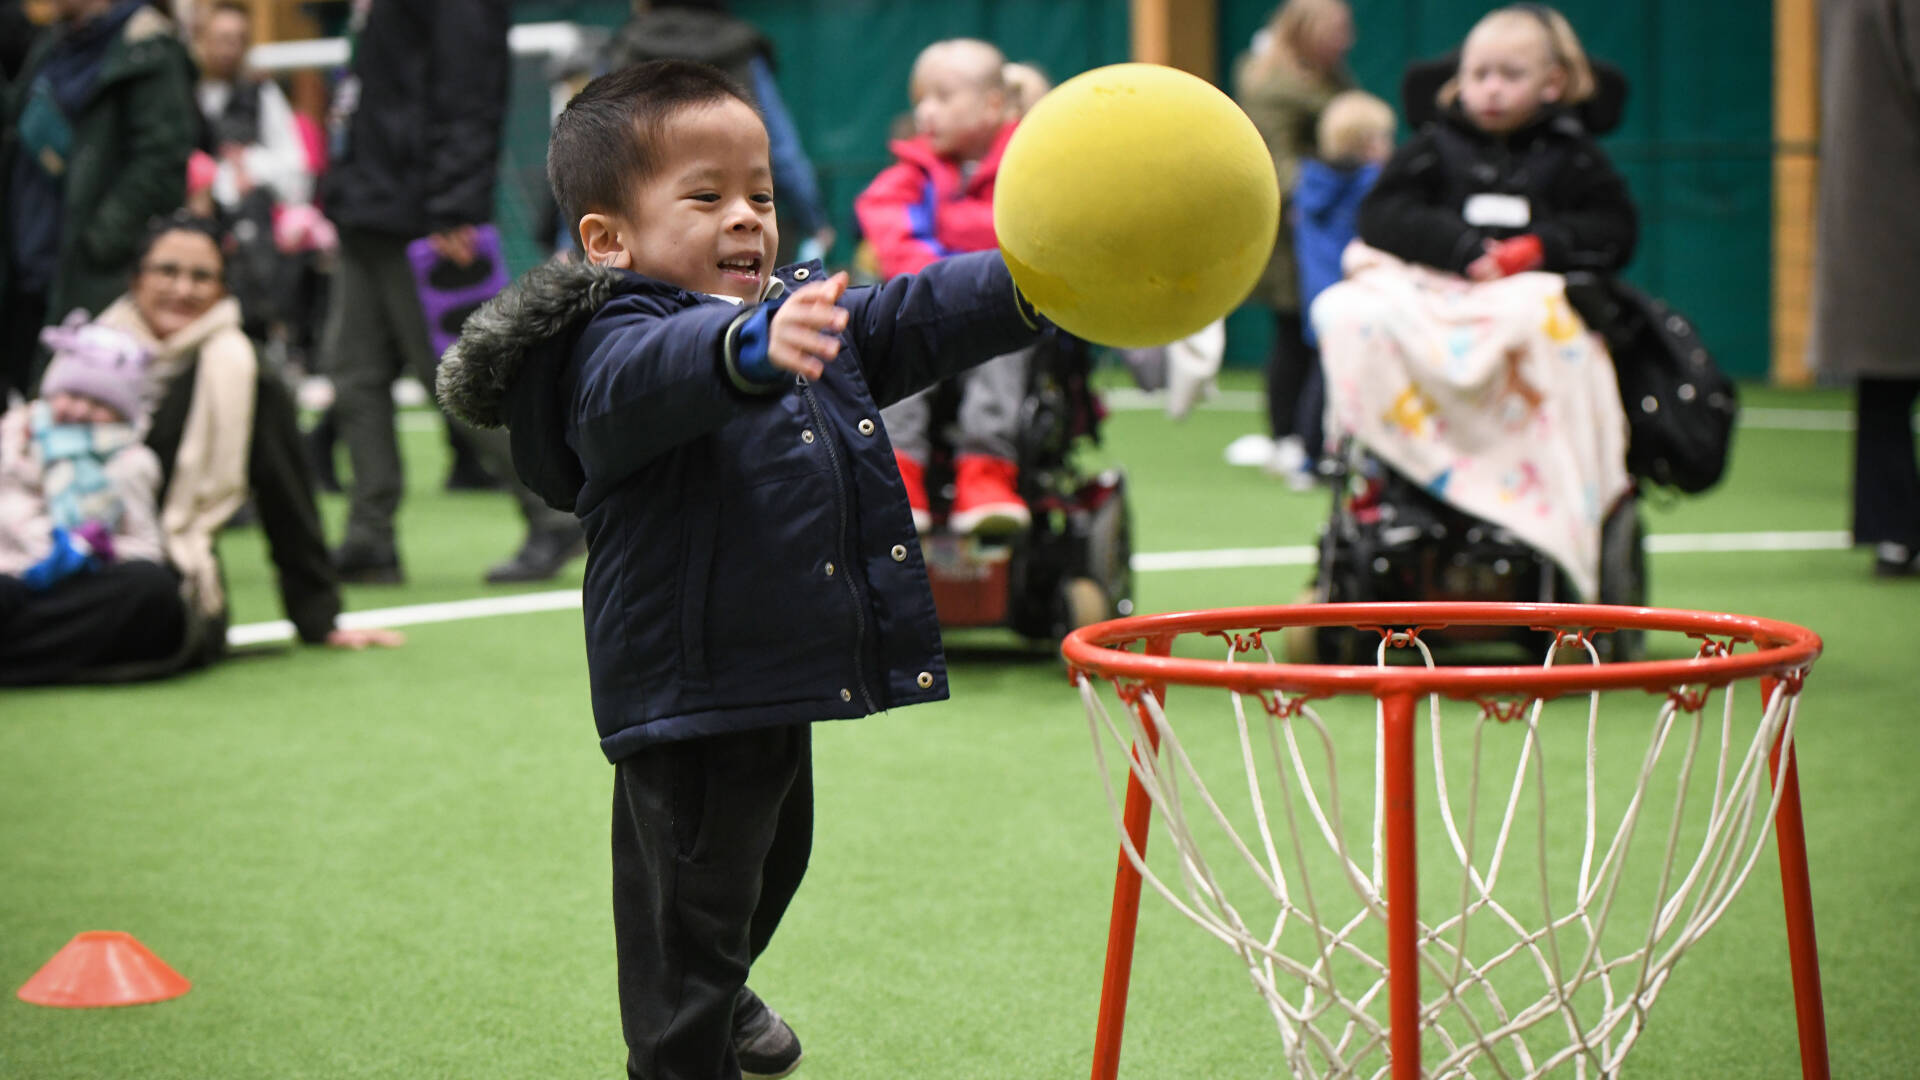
{"x":1534,"y":959}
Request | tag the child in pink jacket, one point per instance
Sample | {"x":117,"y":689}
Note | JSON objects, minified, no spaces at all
{"x":938,"y":201}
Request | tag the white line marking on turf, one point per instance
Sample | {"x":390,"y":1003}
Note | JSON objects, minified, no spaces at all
{"x":1693,"y":543}
{"x":418,"y":614}
{"x":1146,"y":562}
{"x":1225,"y":558}
{"x":1133,"y":399}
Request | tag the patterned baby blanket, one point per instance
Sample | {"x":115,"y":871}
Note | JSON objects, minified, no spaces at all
{"x":1494,"y":396}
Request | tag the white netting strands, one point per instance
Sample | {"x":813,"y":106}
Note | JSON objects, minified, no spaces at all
{"x":1568,"y":855}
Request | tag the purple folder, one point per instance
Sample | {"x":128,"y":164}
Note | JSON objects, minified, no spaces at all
{"x":449,"y":292}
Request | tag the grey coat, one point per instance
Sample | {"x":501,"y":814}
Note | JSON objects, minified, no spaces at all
{"x":1866,"y":311}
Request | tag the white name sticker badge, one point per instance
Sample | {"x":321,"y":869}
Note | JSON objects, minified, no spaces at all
{"x":1499,"y":211}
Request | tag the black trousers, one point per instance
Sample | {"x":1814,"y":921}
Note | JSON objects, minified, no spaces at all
{"x":21,"y":316}
{"x":104,"y":624}
{"x":1287,"y":369}
{"x":1886,"y":478}
{"x":710,"y":840}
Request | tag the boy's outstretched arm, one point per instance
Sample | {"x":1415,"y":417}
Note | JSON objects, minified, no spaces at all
{"x":651,"y":382}
{"x":919,"y":328}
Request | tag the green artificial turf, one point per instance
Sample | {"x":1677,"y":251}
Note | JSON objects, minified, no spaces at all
{"x":394,"y":864}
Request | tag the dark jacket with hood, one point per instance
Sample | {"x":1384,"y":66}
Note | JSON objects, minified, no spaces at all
{"x":417,"y":125}
{"x":752,"y":560}
{"x":1573,"y":199}
{"x":118,"y":153}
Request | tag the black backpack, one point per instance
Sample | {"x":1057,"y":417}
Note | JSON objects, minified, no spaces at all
{"x":1680,"y":406}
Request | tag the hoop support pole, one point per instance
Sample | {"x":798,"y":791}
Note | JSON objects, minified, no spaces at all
{"x":1796,"y":894}
{"x":1403,"y":893}
{"x":1125,"y":918}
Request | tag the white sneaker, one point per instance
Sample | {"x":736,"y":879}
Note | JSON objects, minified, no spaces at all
{"x":1250,"y":450}
{"x":1289,"y":456}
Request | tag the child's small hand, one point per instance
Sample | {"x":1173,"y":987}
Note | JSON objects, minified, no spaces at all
{"x":802,"y":335}
{"x":1487,"y":266}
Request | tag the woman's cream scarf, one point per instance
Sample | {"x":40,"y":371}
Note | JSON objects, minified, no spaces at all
{"x":210,"y":469}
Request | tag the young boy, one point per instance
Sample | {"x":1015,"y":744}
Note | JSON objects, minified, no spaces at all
{"x":935,"y":201}
{"x":1355,"y":139}
{"x":752,"y":563}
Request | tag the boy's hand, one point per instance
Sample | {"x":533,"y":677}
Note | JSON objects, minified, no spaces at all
{"x":801,"y":337}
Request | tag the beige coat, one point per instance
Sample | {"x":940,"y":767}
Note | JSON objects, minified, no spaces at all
{"x":26,"y":526}
{"x":1866,"y":310}
{"x":1285,"y":106}
{"x":210,"y":470}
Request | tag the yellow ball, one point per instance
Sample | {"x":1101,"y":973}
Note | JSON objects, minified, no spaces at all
{"x":1136,"y":204}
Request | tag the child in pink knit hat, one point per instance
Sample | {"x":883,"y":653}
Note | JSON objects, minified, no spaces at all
{"x":78,"y":487}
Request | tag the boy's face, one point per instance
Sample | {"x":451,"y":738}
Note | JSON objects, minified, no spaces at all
{"x":1506,"y":74}
{"x":957,"y":107}
{"x":80,"y":409}
{"x":704,"y":220}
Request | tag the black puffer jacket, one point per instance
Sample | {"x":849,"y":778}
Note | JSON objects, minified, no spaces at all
{"x":423,"y":137}
{"x":751,"y":556}
{"x":1577,"y":204}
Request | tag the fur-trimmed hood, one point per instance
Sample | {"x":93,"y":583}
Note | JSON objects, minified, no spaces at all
{"x":547,"y":307}
{"x":505,"y":370}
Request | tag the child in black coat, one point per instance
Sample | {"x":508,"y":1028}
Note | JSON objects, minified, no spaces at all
{"x":1507,"y":179}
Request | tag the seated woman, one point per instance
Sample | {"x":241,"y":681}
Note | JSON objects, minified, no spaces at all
{"x":83,"y":578}
{"x":223,"y":430}
{"x":1444,"y":355}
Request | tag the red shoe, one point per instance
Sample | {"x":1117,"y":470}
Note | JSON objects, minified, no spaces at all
{"x":914,"y":476}
{"x":985,"y":500}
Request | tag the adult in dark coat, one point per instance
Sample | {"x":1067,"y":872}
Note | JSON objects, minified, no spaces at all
{"x":1295,"y":67}
{"x":416,"y":130}
{"x":97,"y":131}
{"x":1866,"y":326}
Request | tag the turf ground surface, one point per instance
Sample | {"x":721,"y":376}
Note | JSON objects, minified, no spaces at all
{"x":394,"y":864}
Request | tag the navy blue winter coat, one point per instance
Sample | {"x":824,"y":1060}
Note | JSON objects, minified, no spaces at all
{"x":752,"y":559}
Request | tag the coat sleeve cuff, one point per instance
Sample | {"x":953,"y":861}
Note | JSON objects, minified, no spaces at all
{"x":745,"y":352}
{"x":1470,"y":246}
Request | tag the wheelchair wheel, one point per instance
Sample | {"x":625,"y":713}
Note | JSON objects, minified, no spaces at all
{"x":1623,"y":577}
{"x":1110,"y":547}
{"x":1078,"y":602}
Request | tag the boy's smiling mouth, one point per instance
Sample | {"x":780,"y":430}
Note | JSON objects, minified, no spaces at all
{"x":740,"y":268}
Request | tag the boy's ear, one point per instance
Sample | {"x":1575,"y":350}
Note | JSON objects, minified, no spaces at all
{"x":600,"y":242}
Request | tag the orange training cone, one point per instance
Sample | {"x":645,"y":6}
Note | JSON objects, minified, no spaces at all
{"x":103,"y":967}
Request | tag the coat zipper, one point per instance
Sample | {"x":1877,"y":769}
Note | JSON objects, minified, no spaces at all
{"x":840,"y":495}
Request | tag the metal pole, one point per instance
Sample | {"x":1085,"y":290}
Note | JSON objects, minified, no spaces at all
{"x":1403,"y":892}
{"x":1125,"y":917}
{"x":1796,"y":894}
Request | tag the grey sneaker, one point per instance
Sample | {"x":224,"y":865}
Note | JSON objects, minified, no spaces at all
{"x":766,"y":1046}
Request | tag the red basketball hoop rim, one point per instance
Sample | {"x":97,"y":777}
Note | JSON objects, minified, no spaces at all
{"x":1768,"y":648}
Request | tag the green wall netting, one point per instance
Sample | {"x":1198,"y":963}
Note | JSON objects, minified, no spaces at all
{"x":1695,"y":145}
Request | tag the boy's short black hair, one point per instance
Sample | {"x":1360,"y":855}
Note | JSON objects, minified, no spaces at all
{"x":606,"y":140}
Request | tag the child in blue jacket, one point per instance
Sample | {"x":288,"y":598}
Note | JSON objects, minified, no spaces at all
{"x":752,"y":562}
{"x":1355,"y":138}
